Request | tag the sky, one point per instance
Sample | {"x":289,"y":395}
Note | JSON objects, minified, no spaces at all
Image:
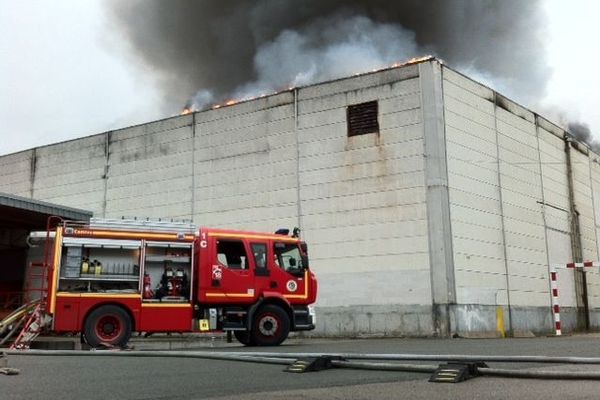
{"x":65,"y":71}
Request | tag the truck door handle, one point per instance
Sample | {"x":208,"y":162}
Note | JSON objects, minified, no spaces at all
{"x":273,"y":285}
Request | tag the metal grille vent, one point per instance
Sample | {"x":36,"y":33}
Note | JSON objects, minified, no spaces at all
{"x":362,"y":118}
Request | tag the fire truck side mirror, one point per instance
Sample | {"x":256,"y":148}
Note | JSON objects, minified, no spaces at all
{"x":304,"y":256}
{"x":304,"y":261}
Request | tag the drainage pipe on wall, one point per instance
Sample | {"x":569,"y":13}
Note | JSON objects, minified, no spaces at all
{"x":576,"y":248}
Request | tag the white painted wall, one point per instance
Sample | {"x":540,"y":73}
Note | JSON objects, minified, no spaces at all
{"x":503,"y":166}
{"x":520,"y":177}
{"x":15,"y":173}
{"x":363,"y":197}
{"x":475,"y":209}
{"x":245,"y":165}
{"x":556,"y":197}
{"x":70,"y":173}
{"x":149,"y":170}
{"x":286,"y":160}
{"x":593,"y":275}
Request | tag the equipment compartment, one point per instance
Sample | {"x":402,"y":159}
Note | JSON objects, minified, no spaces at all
{"x":100,"y":266}
{"x":167,"y":272}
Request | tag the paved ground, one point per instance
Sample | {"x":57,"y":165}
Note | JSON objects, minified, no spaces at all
{"x":92,"y":377}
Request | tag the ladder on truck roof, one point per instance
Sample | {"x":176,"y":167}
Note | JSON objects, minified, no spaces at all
{"x":143,"y":225}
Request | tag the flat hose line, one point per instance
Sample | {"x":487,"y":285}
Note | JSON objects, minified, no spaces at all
{"x":154,"y":354}
{"x":483,"y":371}
{"x":289,"y":358}
{"x":440,"y":357}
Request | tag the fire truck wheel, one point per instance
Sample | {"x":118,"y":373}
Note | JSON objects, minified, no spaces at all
{"x":271,"y":326}
{"x":107,"y":325}
{"x":244,"y":337}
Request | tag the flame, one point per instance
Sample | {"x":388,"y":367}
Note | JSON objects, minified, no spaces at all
{"x":419,"y":59}
{"x":187,"y":110}
{"x":397,"y":64}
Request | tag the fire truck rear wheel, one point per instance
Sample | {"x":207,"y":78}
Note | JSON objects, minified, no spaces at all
{"x":271,"y":326}
{"x":108,"y":325}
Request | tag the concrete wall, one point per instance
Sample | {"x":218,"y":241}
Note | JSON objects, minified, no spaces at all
{"x":453,"y":211}
{"x":71,"y":173}
{"x":245,"y":165}
{"x":510,"y":208}
{"x":149,"y":170}
{"x":363,"y":205}
{"x":280,"y":161}
{"x":474,"y":192}
{"x":16,"y":173}
{"x":593,"y":280}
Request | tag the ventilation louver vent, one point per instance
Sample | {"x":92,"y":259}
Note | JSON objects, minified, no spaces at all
{"x":362,"y":118}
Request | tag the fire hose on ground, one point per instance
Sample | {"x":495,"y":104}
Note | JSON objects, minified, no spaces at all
{"x":380,"y":362}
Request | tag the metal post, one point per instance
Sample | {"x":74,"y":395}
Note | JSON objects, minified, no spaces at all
{"x":580,"y":279}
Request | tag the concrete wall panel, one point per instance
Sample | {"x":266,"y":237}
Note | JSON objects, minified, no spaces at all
{"x":245,"y":166}
{"x":345,"y":85}
{"x":16,"y":173}
{"x":582,"y":183}
{"x":370,"y":190}
{"x":72,"y":173}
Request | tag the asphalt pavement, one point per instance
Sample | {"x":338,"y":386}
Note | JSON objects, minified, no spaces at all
{"x":107,"y":377}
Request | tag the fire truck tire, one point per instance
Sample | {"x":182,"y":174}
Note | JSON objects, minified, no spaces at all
{"x":244,"y":337}
{"x":107,"y":325}
{"x":271,"y":326}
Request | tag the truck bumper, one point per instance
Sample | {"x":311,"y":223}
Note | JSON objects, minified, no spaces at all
{"x":304,"y":318}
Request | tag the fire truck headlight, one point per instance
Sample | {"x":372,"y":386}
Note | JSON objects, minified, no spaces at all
{"x":313,"y":314}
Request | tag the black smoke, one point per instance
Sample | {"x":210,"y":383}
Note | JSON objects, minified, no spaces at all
{"x":209,"y":50}
{"x":582,"y":132}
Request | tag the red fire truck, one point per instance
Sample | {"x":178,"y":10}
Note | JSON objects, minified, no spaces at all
{"x":109,"y":279}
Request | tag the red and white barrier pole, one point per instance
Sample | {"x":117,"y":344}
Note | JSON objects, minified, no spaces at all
{"x":554,"y":287}
{"x":583,"y":264}
{"x":555,"y":305}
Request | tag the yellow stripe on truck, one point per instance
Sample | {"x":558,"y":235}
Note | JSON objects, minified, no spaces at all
{"x":300,"y":296}
{"x":55,"y":268}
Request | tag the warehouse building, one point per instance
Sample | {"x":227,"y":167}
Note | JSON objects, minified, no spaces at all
{"x":432,"y":205}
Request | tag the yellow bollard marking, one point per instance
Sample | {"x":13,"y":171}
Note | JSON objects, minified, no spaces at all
{"x":500,"y":321}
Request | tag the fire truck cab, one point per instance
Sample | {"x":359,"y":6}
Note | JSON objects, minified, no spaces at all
{"x":107,"y":280}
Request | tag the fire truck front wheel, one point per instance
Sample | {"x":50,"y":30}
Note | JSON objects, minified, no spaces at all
{"x":107,"y":325}
{"x":271,"y":326}
{"x":244,"y":337}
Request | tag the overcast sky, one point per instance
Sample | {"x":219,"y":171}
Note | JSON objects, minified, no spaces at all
{"x":66,"y":73}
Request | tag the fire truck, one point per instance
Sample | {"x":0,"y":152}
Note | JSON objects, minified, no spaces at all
{"x":109,"y":278}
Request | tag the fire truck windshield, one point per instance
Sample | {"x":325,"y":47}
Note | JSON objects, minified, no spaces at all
{"x":287,"y":256}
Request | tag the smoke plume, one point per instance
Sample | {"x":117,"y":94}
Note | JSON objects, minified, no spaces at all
{"x":209,"y":51}
{"x":582,"y":132}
